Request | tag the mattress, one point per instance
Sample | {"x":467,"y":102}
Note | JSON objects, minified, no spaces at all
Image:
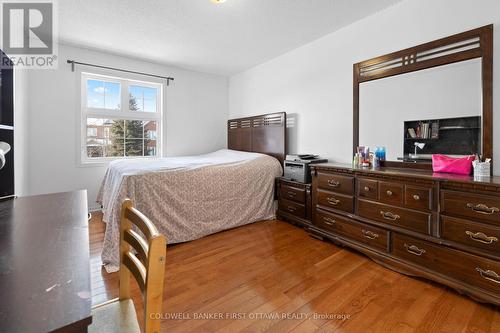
{"x":188,"y":197}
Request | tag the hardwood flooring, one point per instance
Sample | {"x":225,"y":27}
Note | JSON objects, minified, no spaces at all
{"x":273,"y":277}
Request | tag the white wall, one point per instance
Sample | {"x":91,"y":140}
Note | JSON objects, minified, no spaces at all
{"x":195,"y":120}
{"x":313,"y":83}
{"x":21,"y":133}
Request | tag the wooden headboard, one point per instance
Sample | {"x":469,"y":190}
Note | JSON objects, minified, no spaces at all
{"x":264,"y":134}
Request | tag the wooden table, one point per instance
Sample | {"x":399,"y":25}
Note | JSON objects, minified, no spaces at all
{"x":44,"y":264}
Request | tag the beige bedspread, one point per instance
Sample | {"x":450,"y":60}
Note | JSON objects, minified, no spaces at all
{"x":189,"y":197}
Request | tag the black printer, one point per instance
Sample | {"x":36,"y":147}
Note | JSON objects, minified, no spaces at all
{"x":297,"y":167}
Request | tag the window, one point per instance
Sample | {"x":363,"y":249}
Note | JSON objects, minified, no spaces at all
{"x":91,"y":131}
{"x":121,"y":118}
{"x":152,"y":135}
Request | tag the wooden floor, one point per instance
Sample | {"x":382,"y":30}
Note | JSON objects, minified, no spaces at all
{"x":273,"y":277}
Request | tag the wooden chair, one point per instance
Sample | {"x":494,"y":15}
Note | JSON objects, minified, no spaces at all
{"x":147,"y":265}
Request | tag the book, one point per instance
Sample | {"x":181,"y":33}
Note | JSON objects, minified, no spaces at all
{"x":435,"y":130}
{"x":411,"y":133}
{"x":425,"y":131}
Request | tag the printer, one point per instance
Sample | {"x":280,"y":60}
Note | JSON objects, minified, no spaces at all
{"x":297,"y":167}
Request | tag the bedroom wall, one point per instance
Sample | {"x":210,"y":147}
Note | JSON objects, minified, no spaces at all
{"x":195,"y":117}
{"x":313,"y":83}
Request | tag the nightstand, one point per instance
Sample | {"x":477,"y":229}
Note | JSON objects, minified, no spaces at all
{"x":294,"y":202}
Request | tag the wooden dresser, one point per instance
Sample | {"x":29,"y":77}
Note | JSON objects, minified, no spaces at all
{"x":442,"y":227}
{"x":294,"y":202}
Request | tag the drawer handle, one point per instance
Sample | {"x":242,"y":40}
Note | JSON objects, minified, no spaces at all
{"x":368,"y":234}
{"x":416,"y":197}
{"x":483,"y":209}
{"x":291,"y":209}
{"x":481,"y":237}
{"x":389,"y":216}
{"x":414,"y":250}
{"x":329,"y":221}
{"x":389,"y":192}
{"x":291,"y":194}
{"x":332,"y":201}
{"x":367,"y":189}
{"x":489,"y":275}
{"x":333,"y":183}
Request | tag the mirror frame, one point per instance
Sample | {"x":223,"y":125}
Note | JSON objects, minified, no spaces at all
{"x":472,"y":44}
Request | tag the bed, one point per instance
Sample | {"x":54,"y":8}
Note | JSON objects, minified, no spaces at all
{"x":194,"y":196}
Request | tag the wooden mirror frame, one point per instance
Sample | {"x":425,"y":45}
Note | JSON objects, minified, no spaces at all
{"x":476,"y":43}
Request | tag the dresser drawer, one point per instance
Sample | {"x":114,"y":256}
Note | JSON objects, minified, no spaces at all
{"x":391,"y":193}
{"x":293,"y":193}
{"x":418,"y":197}
{"x":481,"y":236}
{"x":336,"y":201}
{"x":367,"y":188}
{"x":468,"y":268}
{"x":292,"y":207}
{"x":474,"y":206}
{"x":325,"y":220}
{"x":400,"y":217}
{"x":374,"y":237}
{"x":336,"y":183}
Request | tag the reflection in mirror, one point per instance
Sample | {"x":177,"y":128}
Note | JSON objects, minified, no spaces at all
{"x":432,"y":111}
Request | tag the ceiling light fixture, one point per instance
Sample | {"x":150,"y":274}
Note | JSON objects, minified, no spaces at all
{"x":218,"y":1}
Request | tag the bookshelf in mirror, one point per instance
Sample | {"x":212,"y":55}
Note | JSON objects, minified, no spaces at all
{"x":450,"y":136}
{"x":414,"y":222}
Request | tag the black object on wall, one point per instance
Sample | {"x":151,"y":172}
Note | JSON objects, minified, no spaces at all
{"x":7,"y":129}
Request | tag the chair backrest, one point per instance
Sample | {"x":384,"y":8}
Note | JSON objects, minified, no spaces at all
{"x":146,"y":263}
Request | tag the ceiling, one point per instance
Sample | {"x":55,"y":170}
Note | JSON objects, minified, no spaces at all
{"x":199,"y":35}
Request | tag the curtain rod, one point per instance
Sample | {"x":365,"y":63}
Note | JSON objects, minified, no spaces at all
{"x":73,"y":63}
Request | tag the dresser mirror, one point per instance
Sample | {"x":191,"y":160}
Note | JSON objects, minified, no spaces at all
{"x":413,"y":115}
{"x":435,"y":98}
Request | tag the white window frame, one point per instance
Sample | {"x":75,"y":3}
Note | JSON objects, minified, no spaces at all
{"x":122,"y":114}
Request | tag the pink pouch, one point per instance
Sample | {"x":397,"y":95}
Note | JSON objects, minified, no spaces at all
{"x":460,"y":166}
